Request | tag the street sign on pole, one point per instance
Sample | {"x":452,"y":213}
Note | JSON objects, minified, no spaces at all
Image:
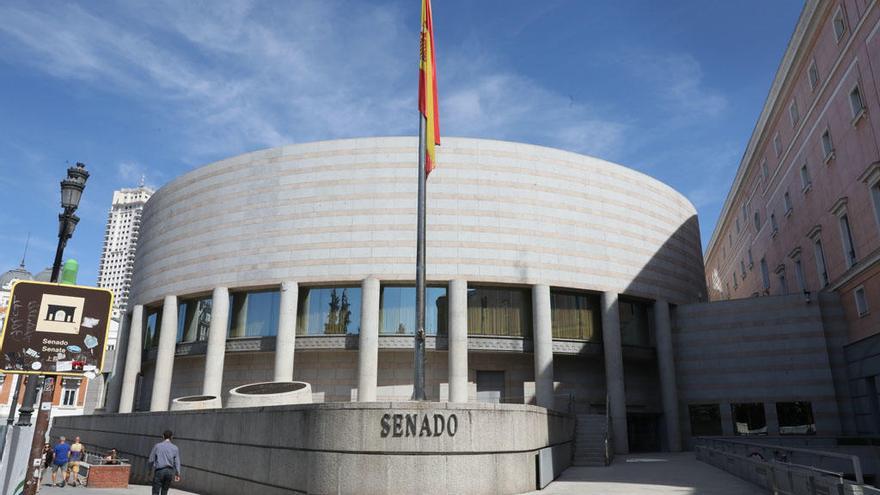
{"x":54,"y":329}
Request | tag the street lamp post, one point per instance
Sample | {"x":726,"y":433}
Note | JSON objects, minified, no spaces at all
{"x":71,"y":192}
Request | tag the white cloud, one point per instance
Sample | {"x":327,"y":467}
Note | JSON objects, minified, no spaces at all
{"x":239,"y":80}
{"x":676,"y":80}
{"x":508,"y":106}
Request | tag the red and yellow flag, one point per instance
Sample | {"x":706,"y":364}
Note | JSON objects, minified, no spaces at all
{"x":428,"y":88}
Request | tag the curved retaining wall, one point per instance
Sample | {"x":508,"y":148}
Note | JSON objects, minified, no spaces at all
{"x":356,"y":448}
{"x":338,"y":211}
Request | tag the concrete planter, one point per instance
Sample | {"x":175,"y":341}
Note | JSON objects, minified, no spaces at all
{"x":270,"y":394}
{"x":196,"y":402}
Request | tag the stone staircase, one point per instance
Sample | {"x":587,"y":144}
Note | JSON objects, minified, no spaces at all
{"x":589,"y":440}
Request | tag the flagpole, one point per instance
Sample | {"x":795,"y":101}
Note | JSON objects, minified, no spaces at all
{"x":419,"y":345}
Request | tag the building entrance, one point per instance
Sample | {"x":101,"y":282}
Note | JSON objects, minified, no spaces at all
{"x":643,"y":432}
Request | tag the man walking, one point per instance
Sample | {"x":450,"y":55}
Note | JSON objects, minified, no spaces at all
{"x":165,"y":459}
{"x":62,"y":452}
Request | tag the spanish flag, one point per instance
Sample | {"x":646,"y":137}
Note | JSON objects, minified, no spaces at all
{"x":428,"y":88}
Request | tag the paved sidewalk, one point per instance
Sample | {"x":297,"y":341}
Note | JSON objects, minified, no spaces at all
{"x":81,"y":490}
{"x":656,"y":474}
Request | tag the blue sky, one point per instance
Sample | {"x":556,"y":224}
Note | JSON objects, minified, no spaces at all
{"x":669,"y":88}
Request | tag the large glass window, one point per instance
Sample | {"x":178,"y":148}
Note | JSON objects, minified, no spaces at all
{"x":575,"y":315}
{"x":749,"y":418}
{"x":635,"y":322}
{"x":151,"y":329}
{"x":705,"y":419}
{"x":253,"y":314}
{"x":329,"y":311}
{"x":193,"y":320}
{"x":500,"y":311}
{"x":795,"y":418}
{"x":398,"y":310}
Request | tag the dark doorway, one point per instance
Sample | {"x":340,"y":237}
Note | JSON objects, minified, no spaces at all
{"x":643,"y":432}
{"x":490,"y":386}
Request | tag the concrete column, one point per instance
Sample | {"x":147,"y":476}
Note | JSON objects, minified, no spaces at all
{"x":458,"y":343}
{"x":873,"y":402}
{"x":614,"y":371}
{"x":216,"y":353}
{"x":165,"y":356}
{"x":542,"y":336}
{"x":726,"y":420}
{"x":286,"y":340}
{"x":368,"y":348}
{"x":114,"y":385}
{"x":132,"y":359}
{"x":666,"y":368}
{"x":771,"y":417}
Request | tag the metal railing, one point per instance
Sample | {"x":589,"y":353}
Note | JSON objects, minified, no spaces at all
{"x":848,"y":464}
{"x":783,"y":470}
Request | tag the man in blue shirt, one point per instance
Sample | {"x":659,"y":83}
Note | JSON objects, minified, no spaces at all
{"x":62,"y":456}
{"x":165,"y":459}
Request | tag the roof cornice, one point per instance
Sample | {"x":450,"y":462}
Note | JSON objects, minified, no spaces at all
{"x":812,"y":12}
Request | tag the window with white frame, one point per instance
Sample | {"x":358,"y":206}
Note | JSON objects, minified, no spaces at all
{"x":745,"y":213}
{"x":861,"y":301}
{"x":875,"y":196}
{"x":69,"y":391}
{"x":742,"y":267}
{"x":819,"y":252}
{"x":806,"y":182}
{"x":839,"y":25}
{"x":765,"y":274}
{"x":827,"y":144}
{"x":786,"y":200}
{"x":813,"y":75}
{"x":849,"y":251}
{"x":777,"y":145}
{"x":855,"y":102}
{"x":765,"y":171}
{"x":757,"y":220}
{"x":793,"y":113}
{"x":783,"y":283}
{"x":799,"y":274}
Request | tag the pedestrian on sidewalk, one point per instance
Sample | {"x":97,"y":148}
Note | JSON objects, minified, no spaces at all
{"x":62,"y":455}
{"x":48,"y":455}
{"x":165,"y":459}
{"x":76,"y":456}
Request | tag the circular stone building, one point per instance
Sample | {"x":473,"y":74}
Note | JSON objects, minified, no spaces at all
{"x":550,"y":280}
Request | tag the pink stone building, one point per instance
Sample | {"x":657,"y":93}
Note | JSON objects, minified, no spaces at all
{"x":803,"y":213}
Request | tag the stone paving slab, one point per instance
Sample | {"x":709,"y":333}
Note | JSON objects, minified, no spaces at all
{"x":656,"y":474}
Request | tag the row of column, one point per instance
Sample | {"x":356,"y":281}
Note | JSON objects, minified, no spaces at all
{"x":368,"y":354}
